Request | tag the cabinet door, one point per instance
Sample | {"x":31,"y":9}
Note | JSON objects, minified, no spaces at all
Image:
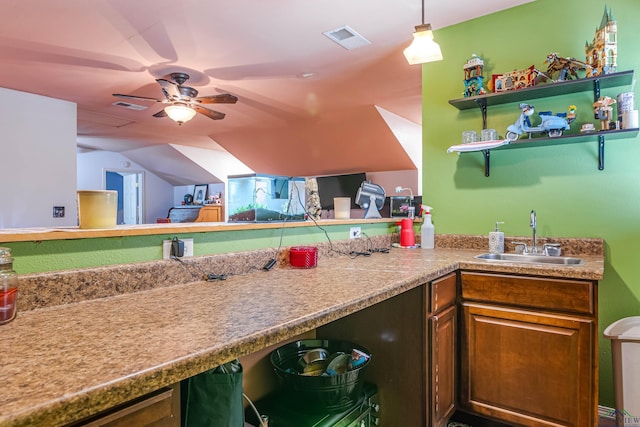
{"x":442,"y":355}
{"x":527,"y":368}
{"x":210,"y":214}
{"x":442,"y":293}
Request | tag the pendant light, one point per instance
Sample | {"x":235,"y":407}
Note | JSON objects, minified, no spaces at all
{"x":423,"y":48}
{"x":180,"y":113}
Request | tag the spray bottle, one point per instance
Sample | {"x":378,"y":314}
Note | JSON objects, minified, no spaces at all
{"x":427,"y":231}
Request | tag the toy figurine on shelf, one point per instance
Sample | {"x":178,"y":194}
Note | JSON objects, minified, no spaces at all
{"x":516,"y":79}
{"x":473,"y":78}
{"x":604,"y":111}
{"x":602,"y":52}
{"x":562,"y":68}
{"x":552,"y":125}
{"x":571,"y":113}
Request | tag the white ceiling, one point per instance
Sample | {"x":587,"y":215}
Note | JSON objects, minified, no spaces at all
{"x":84,"y":51}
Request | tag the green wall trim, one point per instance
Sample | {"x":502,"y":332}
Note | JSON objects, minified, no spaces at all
{"x":57,"y":255}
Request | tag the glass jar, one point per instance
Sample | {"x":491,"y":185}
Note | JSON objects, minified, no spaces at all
{"x":8,"y":287}
{"x":469,"y":136}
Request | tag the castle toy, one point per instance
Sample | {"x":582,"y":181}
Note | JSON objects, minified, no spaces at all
{"x":473,"y":77}
{"x":602,"y":52}
{"x":516,"y":79}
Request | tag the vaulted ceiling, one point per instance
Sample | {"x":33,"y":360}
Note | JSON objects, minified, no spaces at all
{"x":306,"y":105}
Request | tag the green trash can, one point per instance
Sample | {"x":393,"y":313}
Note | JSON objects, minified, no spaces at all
{"x":213,"y":398}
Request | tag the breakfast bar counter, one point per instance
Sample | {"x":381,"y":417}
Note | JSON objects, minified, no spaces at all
{"x":63,"y":363}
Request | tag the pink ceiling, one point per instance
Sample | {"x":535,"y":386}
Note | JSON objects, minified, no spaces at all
{"x":84,"y":51}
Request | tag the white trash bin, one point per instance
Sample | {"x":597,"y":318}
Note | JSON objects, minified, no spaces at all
{"x":625,"y":354}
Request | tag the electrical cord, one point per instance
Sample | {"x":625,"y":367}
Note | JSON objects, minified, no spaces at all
{"x":261,"y":420}
{"x":351,"y":254}
{"x":273,"y":261}
{"x":270,"y":263}
{"x":211,"y":277}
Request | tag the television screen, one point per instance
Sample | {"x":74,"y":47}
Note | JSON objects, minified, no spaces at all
{"x":339,"y":186}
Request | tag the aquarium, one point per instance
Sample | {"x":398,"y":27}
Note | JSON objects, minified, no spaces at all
{"x":263,"y":198}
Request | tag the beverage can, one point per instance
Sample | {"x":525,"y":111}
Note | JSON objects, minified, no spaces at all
{"x":626,"y":102}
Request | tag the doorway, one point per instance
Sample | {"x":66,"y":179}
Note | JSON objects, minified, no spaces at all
{"x":129,"y":185}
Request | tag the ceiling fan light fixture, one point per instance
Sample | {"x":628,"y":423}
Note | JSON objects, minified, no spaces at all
{"x":180,"y":113}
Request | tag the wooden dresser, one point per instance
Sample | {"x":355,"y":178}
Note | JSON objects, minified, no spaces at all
{"x":196,"y":213}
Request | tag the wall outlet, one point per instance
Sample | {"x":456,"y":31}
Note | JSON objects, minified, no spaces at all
{"x":166,"y":248}
{"x":355,"y":233}
{"x":58,"y":211}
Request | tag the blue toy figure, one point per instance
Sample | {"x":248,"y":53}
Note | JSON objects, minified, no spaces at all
{"x":551,"y":124}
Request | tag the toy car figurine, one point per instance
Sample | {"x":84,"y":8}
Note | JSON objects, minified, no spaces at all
{"x":553,"y":125}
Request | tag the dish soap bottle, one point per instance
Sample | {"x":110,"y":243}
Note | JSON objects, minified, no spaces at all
{"x":496,"y":240}
{"x":427,"y":231}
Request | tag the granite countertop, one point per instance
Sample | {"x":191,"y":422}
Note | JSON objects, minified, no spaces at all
{"x":66,"y":362}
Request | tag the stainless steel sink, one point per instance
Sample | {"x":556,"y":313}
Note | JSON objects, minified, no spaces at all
{"x":532,"y":259}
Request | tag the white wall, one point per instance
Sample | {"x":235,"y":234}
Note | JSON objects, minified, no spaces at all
{"x":37,"y":160}
{"x":157,"y":193}
{"x":179,"y":191}
{"x":392,"y":179}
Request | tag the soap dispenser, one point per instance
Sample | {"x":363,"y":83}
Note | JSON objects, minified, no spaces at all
{"x":496,"y":240}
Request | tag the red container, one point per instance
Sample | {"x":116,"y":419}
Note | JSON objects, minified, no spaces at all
{"x":7,"y":304}
{"x":303,"y":256}
{"x":407,"y":236}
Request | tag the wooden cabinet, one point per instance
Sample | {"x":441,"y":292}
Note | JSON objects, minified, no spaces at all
{"x":210,"y":213}
{"x":412,"y":338}
{"x":159,"y":409}
{"x":529,"y":349}
{"x":441,"y":350}
{"x":196,"y":213}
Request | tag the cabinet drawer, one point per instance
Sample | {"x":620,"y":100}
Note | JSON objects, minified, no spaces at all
{"x":160,"y":409}
{"x":441,"y":293}
{"x":576,"y":296}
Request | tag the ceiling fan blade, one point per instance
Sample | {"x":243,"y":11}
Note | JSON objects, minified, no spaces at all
{"x":223,"y":98}
{"x":160,"y":114}
{"x":215,"y":115}
{"x":140,"y":98}
{"x":170,"y":89}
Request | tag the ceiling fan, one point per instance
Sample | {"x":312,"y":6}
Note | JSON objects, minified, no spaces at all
{"x":183,"y":101}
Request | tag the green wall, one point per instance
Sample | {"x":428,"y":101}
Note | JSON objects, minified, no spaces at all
{"x":562,"y":183}
{"x":56,"y":255}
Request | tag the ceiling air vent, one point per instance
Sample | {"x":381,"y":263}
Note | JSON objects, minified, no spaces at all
{"x":129,"y":105}
{"x":347,"y":37}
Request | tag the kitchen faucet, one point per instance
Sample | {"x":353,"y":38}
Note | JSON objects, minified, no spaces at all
{"x":522,"y":247}
{"x":549,"y":249}
{"x":532,"y":224}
